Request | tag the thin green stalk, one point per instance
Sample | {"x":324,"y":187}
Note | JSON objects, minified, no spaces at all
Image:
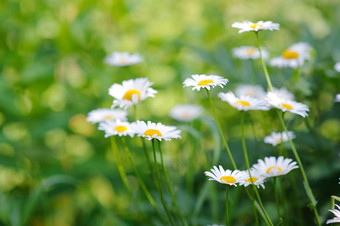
{"x":169,"y":186}
{"x":221,"y":132}
{"x":226,"y":206}
{"x":309,"y":190}
{"x":277,"y":197}
{"x":140,"y":180}
{"x":262,"y":62}
{"x":160,"y":184}
{"x":255,"y":215}
{"x":248,"y":168}
{"x":333,"y":198}
{"x":119,"y":164}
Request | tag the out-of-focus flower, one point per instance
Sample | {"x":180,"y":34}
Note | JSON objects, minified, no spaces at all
{"x":243,"y":103}
{"x":260,"y":25}
{"x":256,"y":178}
{"x":248,"y":52}
{"x":295,"y":56}
{"x":272,"y":167}
{"x":205,"y":81}
{"x":277,"y":138}
{"x":157,"y":131}
{"x":186,"y":112}
{"x":283,"y":93}
{"x":287,"y":105}
{"x":336,"y":213}
{"x":337,"y":67}
{"x":131,"y":92}
{"x":116,"y":127}
{"x":225,"y":176}
{"x":103,"y":114}
{"x":250,"y":90}
{"x":123,"y":59}
{"x":337,"y":98}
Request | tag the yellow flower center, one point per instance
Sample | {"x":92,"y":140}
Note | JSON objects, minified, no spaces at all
{"x":273,"y":167}
{"x":253,"y":26}
{"x":228,"y":179}
{"x":287,"y":106}
{"x":108,"y":117}
{"x":205,"y":82}
{"x":250,"y":51}
{"x":128,"y":95}
{"x":249,"y":181}
{"x":122,"y":60}
{"x":278,"y":140}
{"x":151,"y":132}
{"x":243,"y":103}
{"x":289,"y":54}
{"x":121,"y":129}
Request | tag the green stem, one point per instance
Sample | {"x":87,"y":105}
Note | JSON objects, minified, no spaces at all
{"x":119,"y":164}
{"x":169,"y":186}
{"x":248,"y":168}
{"x":262,"y":62}
{"x":309,"y":190}
{"x":277,"y":197}
{"x":226,"y":206}
{"x":333,"y":198}
{"x":220,"y":129}
{"x":160,"y":184}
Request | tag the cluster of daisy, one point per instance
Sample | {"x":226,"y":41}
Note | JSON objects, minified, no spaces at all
{"x":114,"y":121}
{"x":258,"y":174}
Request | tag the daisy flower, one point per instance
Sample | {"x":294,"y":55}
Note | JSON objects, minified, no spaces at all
{"x":103,"y":114}
{"x":250,"y":90}
{"x":287,"y":105}
{"x":277,"y":138}
{"x":243,"y":103}
{"x":337,"y":67}
{"x":272,"y":167}
{"x":186,"y":112}
{"x":283,"y":93}
{"x":336,"y":213}
{"x":260,"y":25}
{"x":295,"y":56}
{"x":131,"y":92}
{"x":151,"y":130}
{"x":122,"y":59}
{"x":337,"y":98}
{"x":225,"y":176}
{"x":257,"y":179}
{"x":116,"y":127}
{"x":205,"y":81}
{"x":248,"y":52}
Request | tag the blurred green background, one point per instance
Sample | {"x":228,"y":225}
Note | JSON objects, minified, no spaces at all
{"x":57,"y":169}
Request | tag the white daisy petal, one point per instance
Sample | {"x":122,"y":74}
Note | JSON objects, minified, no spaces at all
{"x":336,"y":213}
{"x":249,"y":52}
{"x":151,"y":130}
{"x":243,"y":103}
{"x":103,"y":114}
{"x":117,"y":127}
{"x":277,"y":138}
{"x":337,"y":98}
{"x":337,"y":67}
{"x":225,"y":176}
{"x":273,"y":167}
{"x":205,"y":81}
{"x":260,"y":25}
{"x":123,"y":59}
{"x":256,"y":178}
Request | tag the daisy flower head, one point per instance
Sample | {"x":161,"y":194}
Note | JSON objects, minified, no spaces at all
{"x":273,"y":167}
{"x":277,"y":138}
{"x":225,"y":176}
{"x":295,"y":56}
{"x":337,"y":67}
{"x":243,"y":103}
{"x":256,"y":178}
{"x":131,"y":92}
{"x":151,"y":130}
{"x":186,"y":112}
{"x":116,"y":127}
{"x":283,"y":93}
{"x":337,"y":98}
{"x":287,"y":105}
{"x":205,"y":81}
{"x":123,"y":59}
{"x":260,"y":25}
{"x":250,"y":90}
{"x":336,"y":213}
{"x":249,"y":52}
{"x":103,"y":114}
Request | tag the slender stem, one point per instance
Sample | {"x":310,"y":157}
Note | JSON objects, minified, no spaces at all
{"x":221,"y":132}
{"x":277,"y":197}
{"x":226,"y":206}
{"x":309,"y":190}
{"x":333,"y":198}
{"x":262,"y":62}
{"x":248,"y":168}
{"x":160,"y":184}
{"x":119,"y":164}
{"x":255,"y":214}
{"x":169,"y":186}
